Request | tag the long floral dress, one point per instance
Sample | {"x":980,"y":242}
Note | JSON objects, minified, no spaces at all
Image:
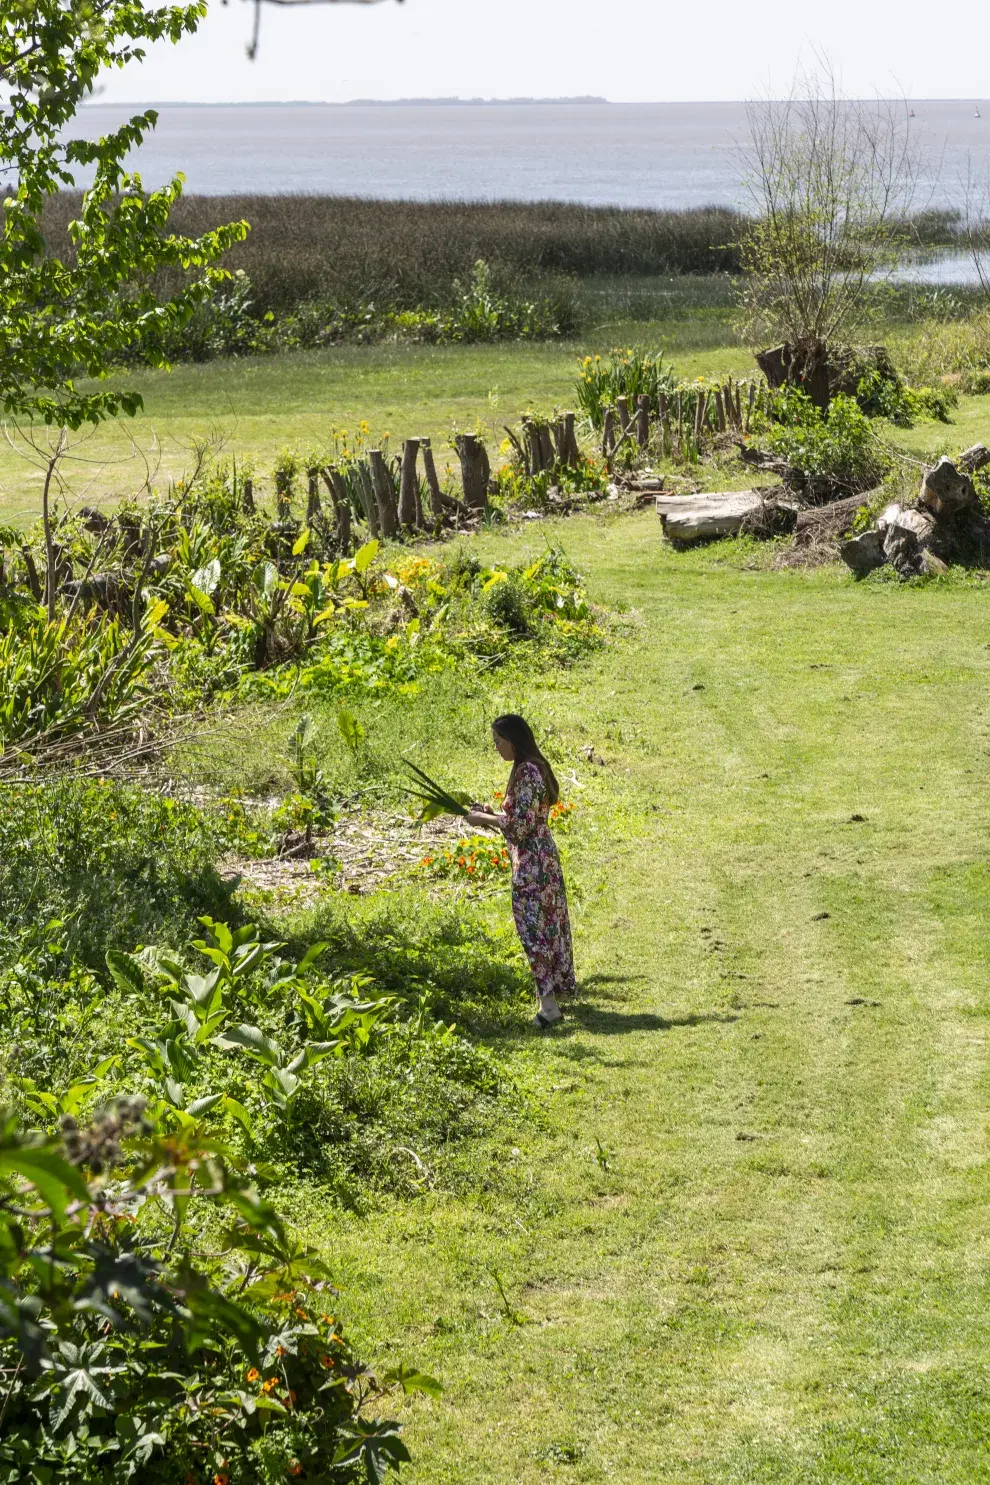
{"x":539,"y":898}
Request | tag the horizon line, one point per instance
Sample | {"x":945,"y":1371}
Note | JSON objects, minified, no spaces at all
{"x":582,"y":99}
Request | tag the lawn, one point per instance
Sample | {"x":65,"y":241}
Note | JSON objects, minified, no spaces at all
{"x":737,"y":1231}
{"x":254,"y":407}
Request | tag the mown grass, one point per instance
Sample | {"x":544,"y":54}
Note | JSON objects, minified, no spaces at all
{"x":741,"y":1231}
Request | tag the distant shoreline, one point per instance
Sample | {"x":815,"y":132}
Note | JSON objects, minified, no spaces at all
{"x":357,"y":103}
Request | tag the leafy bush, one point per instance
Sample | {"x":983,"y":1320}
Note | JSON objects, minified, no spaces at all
{"x":841,"y":447}
{"x":150,"y":1354}
{"x":893,"y":399}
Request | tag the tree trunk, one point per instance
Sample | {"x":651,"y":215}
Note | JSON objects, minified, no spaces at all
{"x":643,"y":420}
{"x":381,"y":480}
{"x":247,"y":497}
{"x":475,"y":470}
{"x":369,"y":500}
{"x":797,"y":365}
{"x":409,"y":485}
{"x":341,"y":497}
{"x":438,"y":504}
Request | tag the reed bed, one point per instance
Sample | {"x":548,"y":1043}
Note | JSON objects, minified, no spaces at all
{"x":404,"y":254}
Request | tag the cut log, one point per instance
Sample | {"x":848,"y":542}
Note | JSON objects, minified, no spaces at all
{"x":475,"y":470}
{"x":409,"y":485}
{"x":947,"y":492}
{"x":438,"y":503}
{"x":381,"y":482}
{"x":973,"y":459}
{"x":863,"y":553}
{"x":693,"y":517}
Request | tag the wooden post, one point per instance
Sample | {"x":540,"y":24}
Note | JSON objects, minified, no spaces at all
{"x":438,"y":504}
{"x":719,"y":410}
{"x":680,"y":425}
{"x":409,"y":485}
{"x":643,"y":420}
{"x":701,"y":407}
{"x":752,"y":401}
{"x":475,"y":470}
{"x":570,"y":441}
{"x":381,"y":482}
{"x":622,"y":403}
{"x":341,"y":497}
{"x":738,"y":401}
{"x":366,"y":490}
{"x":247,"y":496}
{"x":608,"y":433}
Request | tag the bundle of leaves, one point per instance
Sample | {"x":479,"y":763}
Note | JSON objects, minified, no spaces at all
{"x":135,"y":1347}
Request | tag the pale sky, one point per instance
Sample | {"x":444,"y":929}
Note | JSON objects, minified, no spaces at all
{"x":635,"y":51}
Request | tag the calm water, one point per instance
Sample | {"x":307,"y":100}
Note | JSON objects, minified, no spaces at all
{"x":630,"y":154}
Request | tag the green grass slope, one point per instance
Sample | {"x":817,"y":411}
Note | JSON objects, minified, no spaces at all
{"x":741,"y":1231}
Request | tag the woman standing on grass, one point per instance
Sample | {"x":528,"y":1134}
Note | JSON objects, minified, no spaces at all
{"x":539,"y":898}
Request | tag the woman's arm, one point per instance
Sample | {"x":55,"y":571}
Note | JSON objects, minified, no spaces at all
{"x":522,"y":807}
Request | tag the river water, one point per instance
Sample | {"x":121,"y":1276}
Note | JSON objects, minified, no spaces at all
{"x":628,"y":154}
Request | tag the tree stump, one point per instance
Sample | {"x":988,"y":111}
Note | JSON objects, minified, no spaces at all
{"x":622,"y":404}
{"x":643,"y":420}
{"x":381,"y":481}
{"x":340,"y":495}
{"x":409,"y":514}
{"x":366,"y":494}
{"x":247,"y":497}
{"x":798,"y":365}
{"x":475,"y":470}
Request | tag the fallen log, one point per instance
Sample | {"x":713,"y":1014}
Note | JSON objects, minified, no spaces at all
{"x":694,"y":517}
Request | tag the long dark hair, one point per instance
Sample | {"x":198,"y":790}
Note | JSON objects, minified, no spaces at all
{"x":519,"y":734}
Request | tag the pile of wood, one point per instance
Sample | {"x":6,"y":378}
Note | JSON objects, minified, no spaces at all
{"x":946,"y":523}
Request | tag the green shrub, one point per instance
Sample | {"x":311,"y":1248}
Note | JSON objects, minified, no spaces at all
{"x":148,"y":1353}
{"x":841,"y":447}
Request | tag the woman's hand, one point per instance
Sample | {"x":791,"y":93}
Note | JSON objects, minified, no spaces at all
{"x":480,"y":817}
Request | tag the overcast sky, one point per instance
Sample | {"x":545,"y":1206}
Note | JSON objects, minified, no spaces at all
{"x":638,"y":50}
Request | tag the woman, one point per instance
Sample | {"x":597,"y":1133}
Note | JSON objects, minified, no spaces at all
{"x":539,"y":899}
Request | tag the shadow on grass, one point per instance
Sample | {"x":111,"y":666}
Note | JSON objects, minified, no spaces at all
{"x":619,"y":1023}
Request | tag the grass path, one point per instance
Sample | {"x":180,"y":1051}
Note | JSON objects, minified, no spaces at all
{"x":742,"y":1236}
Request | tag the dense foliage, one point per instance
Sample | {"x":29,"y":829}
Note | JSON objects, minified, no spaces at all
{"x":133,"y":1349}
{"x":80,"y":309}
{"x":841,"y":446}
{"x":201,"y":598}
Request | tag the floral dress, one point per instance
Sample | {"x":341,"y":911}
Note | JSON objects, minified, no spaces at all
{"x":539,"y":898}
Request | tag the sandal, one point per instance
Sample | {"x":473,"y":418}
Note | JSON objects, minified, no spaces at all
{"x":543,"y":1023}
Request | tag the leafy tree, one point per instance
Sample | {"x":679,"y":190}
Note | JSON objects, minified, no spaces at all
{"x":62,"y":318}
{"x":831,"y":179}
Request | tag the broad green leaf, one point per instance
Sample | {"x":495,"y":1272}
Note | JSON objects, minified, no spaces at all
{"x":364,"y":556}
{"x":252,"y":1040}
{"x":55,"y":1180}
{"x":301,"y":542}
{"x":126,"y":971}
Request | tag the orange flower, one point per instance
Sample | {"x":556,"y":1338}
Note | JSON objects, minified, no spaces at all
{"x":296,"y":1468}
{"x":253,"y":1374}
{"x":270,"y":1385}
{"x":326,"y":1361}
